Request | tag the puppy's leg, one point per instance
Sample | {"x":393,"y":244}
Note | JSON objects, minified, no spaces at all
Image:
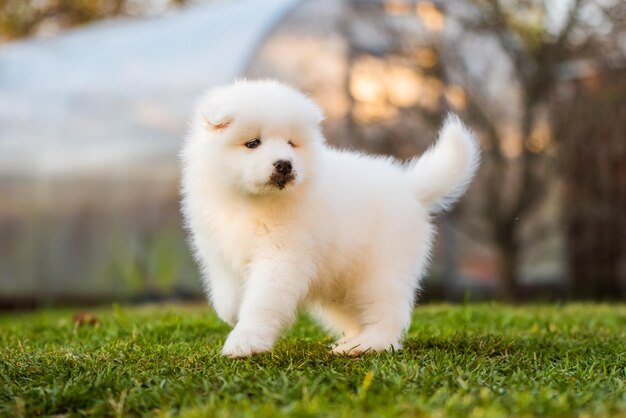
{"x":384,"y":312}
{"x":272,"y":294}
{"x":342,"y":322}
{"x":224,"y":294}
{"x":224,"y":288}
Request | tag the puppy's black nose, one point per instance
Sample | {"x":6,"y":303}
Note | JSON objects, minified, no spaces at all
{"x":283,"y":167}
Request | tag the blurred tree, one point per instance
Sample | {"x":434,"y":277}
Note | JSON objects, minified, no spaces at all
{"x":542,"y":52}
{"x":592,"y":120}
{"x":22,"y":18}
{"x":537,"y":40}
{"x":519,"y":159}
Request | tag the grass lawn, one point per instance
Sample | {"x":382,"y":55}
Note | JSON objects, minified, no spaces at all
{"x":460,"y":361}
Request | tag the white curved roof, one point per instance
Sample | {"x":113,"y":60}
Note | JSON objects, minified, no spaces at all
{"x":120,"y":91}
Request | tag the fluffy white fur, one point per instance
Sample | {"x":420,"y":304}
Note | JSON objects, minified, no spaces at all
{"x":348,"y":238}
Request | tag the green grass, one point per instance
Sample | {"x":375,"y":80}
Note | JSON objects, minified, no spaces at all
{"x":459,"y":361}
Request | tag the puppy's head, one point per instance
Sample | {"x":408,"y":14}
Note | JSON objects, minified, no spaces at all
{"x":260,"y":137}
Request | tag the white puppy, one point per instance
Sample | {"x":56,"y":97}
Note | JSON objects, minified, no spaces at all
{"x":279,"y":220}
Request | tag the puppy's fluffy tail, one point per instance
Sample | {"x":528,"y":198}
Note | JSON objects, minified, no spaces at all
{"x":442,"y":174}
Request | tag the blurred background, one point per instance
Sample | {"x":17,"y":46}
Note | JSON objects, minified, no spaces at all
{"x":95,"y":96}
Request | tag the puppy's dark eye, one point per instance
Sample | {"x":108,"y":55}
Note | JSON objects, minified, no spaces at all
{"x":291,"y":144}
{"x":253,"y":143}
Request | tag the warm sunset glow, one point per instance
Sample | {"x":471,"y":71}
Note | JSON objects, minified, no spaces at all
{"x":366,"y":80}
{"x":432,"y":18}
{"x":511,"y":143}
{"x":403,"y":85}
{"x":397,"y":7}
{"x":540,"y":139}
{"x":367,"y":88}
{"x":373,"y":112}
{"x":431,"y":93}
{"x":426,"y":57}
{"x":334,"y":103}
{"x":455,"y":95}
{"x":380,"y":87}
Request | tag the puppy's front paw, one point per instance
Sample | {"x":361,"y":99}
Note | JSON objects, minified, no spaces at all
{"x":246,"y":342}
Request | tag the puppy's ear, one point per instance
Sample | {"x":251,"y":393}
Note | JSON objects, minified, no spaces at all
{"x":316,"y":112}
{"x":319,"y":115}
{"x":213,"y":123}
{"x":212,"y":113}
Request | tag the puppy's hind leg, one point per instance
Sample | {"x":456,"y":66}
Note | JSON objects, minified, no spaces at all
{"x":340,"y":321}
{"x":224,"y":294}
{"x":385,"y":305}
{"x":224,"y":290}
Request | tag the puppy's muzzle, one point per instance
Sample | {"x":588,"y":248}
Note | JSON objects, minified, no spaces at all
{"x":283,"y":174}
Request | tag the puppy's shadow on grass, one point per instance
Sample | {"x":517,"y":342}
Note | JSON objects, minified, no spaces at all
{"x":295,"y":353}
